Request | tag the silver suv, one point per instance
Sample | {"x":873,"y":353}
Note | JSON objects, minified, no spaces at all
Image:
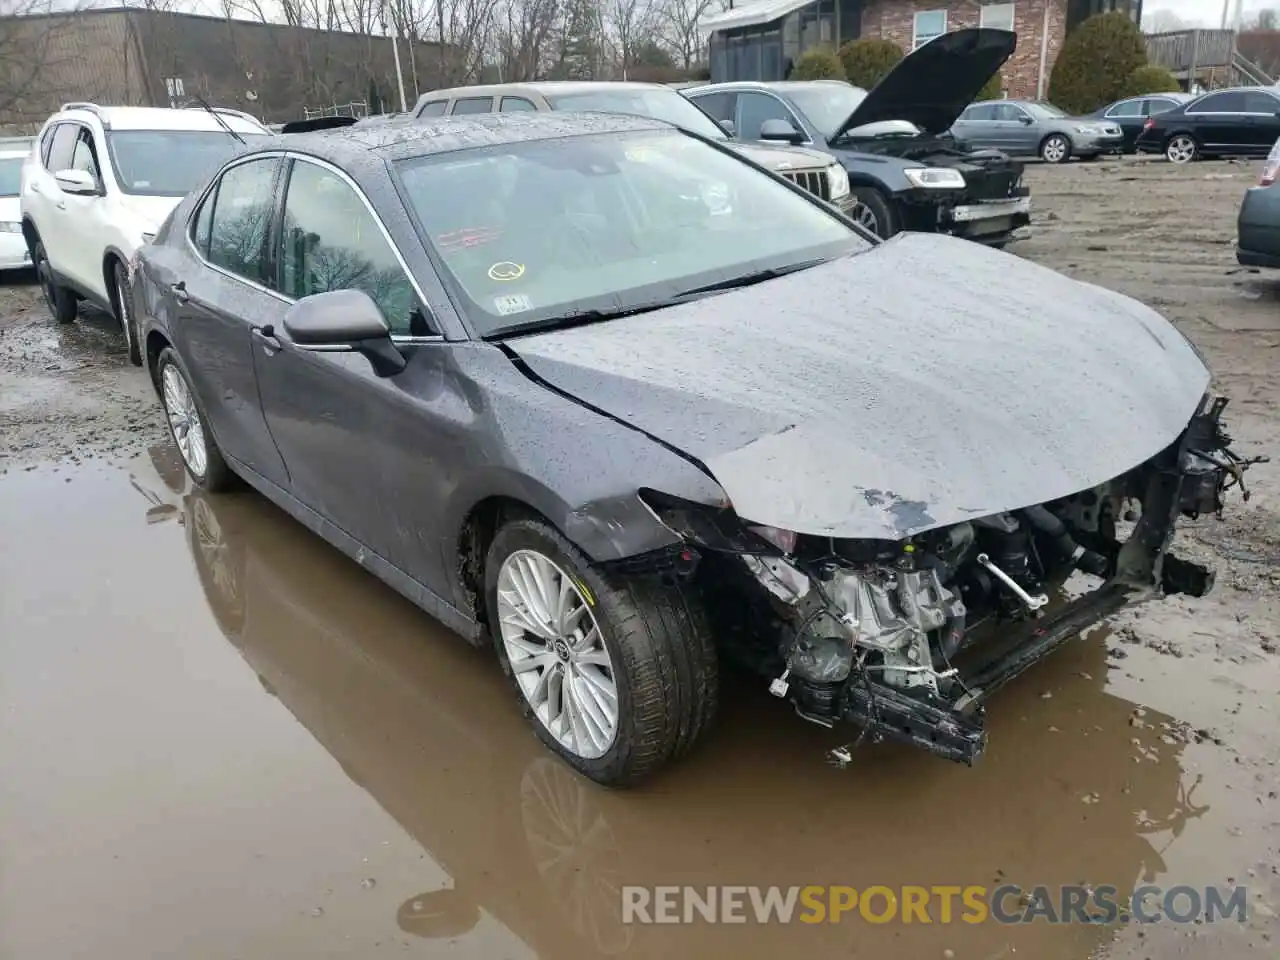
{"x":814,"y":171}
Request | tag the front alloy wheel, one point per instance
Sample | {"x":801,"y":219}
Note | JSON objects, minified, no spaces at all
{"x":616,"y":673}
{"x":1181,"y":149}
{"x":557,"y":654}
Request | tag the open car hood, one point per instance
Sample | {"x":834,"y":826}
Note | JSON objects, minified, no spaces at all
{"x":846,"y":401}
{"x":931,"y":86}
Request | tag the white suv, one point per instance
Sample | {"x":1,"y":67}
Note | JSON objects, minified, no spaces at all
{"x":99,"y":182}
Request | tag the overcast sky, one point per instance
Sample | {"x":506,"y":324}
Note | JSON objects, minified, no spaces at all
{"x":1207,"y":12}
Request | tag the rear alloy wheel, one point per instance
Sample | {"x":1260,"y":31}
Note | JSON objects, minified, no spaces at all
{"x":124,"y":311}
{"x":60,"y":301}
{"x":617,"y":675}
{"x":200,"y":454}
{"x":1181,"y":148}
{"x":1055,"y":149}
{"x":872,"y":212}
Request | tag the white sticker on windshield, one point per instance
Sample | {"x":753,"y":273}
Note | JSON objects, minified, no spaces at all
{"x":512,"y":303}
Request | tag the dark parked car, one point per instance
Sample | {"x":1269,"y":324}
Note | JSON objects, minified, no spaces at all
{"x":1131,"y":113}
{"x":1258,"y":224}
{"x":603,"y":392}
{"x":1029,"y":128}
{"x":1243,"y":122}
{"x":907,"y":172}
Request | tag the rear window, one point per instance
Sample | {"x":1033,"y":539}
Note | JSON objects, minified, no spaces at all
{"x":656,"y":104}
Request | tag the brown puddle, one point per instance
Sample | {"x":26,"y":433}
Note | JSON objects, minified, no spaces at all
{"x":159,"y":799}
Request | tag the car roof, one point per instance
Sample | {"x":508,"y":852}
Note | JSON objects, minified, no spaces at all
{"x":779,"y":85}
{"x":159,"y":118}
{"x":541,"y":87}
{"x":349,"y":146}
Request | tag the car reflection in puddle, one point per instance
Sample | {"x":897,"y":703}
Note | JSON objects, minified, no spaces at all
{"x":1070,"y":791}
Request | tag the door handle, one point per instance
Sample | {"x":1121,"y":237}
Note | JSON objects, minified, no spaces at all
{"x":179,"y":291}
{"x":62,"y":204}
{"x":266,"y":336}
{"x":35,"y":187}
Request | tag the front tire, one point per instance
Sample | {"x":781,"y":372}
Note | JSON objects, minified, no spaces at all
{"x":1182,"y":148}
{"x":60,"y":301}
{"x":1055,"y":148}
{"x":123,"y":305}
{"x":189,"y":427}
{"x":873,"y":211}
{"x":617,"y":675}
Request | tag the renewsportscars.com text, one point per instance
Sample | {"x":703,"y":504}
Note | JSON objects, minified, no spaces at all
{"x":1006,"y":904}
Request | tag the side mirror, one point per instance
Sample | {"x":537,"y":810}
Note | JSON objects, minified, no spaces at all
{"x":344,"y":320}
{"x":79,"y":182}
{"x":781,"y":131}
{"x":729,"y":127}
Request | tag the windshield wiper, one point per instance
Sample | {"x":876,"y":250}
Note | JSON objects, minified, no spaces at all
{"x":218,"y":117}
{"x":580,"y":318}
{"x":748,"y":279}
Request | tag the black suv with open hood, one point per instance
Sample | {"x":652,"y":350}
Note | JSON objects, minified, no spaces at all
{"x":907,"y":171}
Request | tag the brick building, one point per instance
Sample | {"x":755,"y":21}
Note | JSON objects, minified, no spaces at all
{"x":759,"y":39}
{"x":141,"y":57}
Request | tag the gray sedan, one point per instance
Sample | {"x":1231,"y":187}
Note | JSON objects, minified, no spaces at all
{"x":603,"y":394}
{"x":1029,"y":128}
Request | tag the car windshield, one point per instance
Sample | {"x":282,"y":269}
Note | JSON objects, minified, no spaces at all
{"x":827,"y":105}
{"x":657,"y":104}
{"x":1044,"y":111}
{"x":169,"y":163}
{"x":10,"y":175}
{"x":553,"y":231}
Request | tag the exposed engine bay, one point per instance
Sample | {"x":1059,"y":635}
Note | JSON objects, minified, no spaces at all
{"x":909,"y":638}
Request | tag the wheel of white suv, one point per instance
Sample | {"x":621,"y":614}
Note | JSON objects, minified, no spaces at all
{"x":60,"y":301}
{"x":123,"y":303}
{"x":1056,"y":148}
{"x":617,"y":675}
{"x":1181,"y":148}
{"x":188,"y":426}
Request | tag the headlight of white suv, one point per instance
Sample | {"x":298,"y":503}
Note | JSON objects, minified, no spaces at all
{"x":10,"y":226}
{"x":935,"y":178}
{"x":837,"y":181}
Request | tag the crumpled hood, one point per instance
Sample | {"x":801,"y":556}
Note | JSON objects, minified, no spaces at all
{"x":931,"y":86}
{"x":921,"y":383}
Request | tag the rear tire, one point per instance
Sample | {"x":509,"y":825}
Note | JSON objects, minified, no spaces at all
{"x":873,"y":211}
{"x":188,"y":426}
{"x":60,"y":301}
{"x":646,"y":639}
{"x":1182,"y":148}
{"x":122,"y":303}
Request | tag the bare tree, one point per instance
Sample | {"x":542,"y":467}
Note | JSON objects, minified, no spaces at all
{"x":678,"y":21}
{"x":629,"y":25}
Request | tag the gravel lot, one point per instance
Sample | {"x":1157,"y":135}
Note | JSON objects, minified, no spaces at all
{"x":1190,"y":699}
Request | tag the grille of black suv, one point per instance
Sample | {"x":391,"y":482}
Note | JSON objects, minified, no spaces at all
{"x":997,"y":181}
{"x":815,"y":181}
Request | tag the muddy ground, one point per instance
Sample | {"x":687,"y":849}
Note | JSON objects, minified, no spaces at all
{"x":221,"y":739}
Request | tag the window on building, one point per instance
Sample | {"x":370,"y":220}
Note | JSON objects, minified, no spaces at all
{"x":997,"y":16}
{"x":176,"y":90}
{"x":928,"y":25}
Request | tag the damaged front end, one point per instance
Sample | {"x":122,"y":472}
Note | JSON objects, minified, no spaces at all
{"x":908,"y":638}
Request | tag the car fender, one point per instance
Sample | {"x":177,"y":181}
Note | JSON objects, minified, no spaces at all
{"x":885,"y":173}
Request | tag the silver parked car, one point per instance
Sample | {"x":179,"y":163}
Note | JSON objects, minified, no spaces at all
{"x":1030,"y":128}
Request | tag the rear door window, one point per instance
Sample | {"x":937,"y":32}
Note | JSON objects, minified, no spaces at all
{"x":1130,"y":108}
{"x":517,"y":105}
{"x":433,"y":109}
{"x":981,"y":111}
{"x":241,"y":216}
{"x":472,"y":105}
